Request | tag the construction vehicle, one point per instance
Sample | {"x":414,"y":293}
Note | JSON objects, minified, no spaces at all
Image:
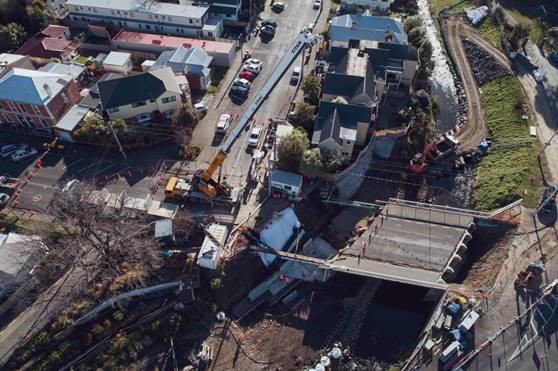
{"x":183,"y":189}
{"x":436,"y":150}
{"x":203,"y":179}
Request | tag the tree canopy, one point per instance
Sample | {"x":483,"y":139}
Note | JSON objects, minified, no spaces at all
{"x":291,"y":150}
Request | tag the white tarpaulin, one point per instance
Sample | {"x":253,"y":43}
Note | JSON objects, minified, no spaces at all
{"x":478,"y":14}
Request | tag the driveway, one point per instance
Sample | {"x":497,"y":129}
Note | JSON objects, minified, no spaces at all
{"x":297,"y":14}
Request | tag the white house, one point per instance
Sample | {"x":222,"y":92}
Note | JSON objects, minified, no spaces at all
{"x":286,"y":182}
{"x":142,"y":97}
{"x":118,"y":62}
{"x":145,"y":15}
{"x":348,"y":30}
{"x":212,"y":250}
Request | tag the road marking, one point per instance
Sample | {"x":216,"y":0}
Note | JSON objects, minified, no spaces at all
{"x":37,"y":198}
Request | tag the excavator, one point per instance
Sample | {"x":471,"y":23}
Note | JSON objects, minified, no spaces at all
{"x":203,"y":179}
{"x":418,"y":162}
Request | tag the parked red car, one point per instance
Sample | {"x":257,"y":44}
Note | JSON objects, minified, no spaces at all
{"x":245,"y":74}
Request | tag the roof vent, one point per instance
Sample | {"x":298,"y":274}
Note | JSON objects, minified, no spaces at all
{"x":48,"y":90}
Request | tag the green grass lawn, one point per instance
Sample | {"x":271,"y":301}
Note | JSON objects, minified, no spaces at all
{"x":491,"y":31}
{"x":439,"y":5}
{"x":507,"y":173}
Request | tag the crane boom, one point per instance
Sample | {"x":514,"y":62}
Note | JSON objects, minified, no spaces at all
{"x":204,"y":181}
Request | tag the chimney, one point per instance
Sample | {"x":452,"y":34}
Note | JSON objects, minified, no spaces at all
{"x":48,"y":90}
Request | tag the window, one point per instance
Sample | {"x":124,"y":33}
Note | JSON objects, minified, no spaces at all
{"x":139,"y":104}
{"x":112,"y":12}
{"x":169,"y":113}
{"x":210,"y":34}
{"x":37,"y":110}
{"x":142,"y":117}
{"x":12,"y":106}
{"x":169,"y":99}
{"x":21,"y":107}
{"x":113,"y":109}
{"x":118,"y":11}
{"x":345,"y":153}
{"x":177,"y":30}
{"x":44,"y":123}
{"x":190,"y":19}
{"x":348,"y":142}
{"x":148,"y":26}
{"x":287,"y":188}
{"x":89,"y":9}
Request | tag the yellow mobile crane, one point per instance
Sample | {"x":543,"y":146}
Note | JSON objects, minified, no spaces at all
{"x":203,"y":180}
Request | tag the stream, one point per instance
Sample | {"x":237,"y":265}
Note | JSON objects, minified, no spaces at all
{"x":443,"y":85}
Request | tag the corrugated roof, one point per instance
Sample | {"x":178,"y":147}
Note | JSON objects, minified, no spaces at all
{"x":285,"y":177}
{"x":33,"y":87}
{"x":278,"y":232}
{"x":145,"y":6}
{"x":366,"y":27}
{"x":71,"y":69}
{"x":72,"y":118}
{"x":163,"y":228}
{"x":117,"y":58}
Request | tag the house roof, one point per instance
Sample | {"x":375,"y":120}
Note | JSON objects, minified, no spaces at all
{"x":285,"y":177}
{"x":72,"y":118}
{"x":338,"y":121}
{"x":71,"y":69}
{"x":341,"y":85}
{"x":181,"y":57}
{"x":117,"y":58}
{"x":120,"y":91}
{"x":15,"y":251}
{"x":143,"y":6}
{"x":366,"y":27}
{"x":55,"y":31}
{"x":173,"y":41}
{"x":33,"y":87}
{"x":40,"y":46}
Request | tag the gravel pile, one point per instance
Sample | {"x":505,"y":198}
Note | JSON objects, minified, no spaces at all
{"x":484,"y":66}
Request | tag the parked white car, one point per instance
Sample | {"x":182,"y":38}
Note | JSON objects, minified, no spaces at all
{"x":23,"y":154}
{"x":253,"y":65}
{"x":223,"y":123}
{"x":242,"y":82}
{"x":254,"y":137}
{"x":201,"y":108}
{"x":317,"y":4}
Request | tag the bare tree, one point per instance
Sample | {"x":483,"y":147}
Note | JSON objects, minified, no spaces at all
{"x":101,"y":233}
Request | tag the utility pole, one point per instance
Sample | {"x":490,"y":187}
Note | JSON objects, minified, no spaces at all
{"x":547,"y":143}
{"x":117,"y":140}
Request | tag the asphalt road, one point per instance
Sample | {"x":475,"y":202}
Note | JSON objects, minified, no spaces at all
{"x":297,"y":14}
{"x":102,"y":166}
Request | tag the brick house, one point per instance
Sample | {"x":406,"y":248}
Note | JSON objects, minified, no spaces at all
{"x":32,"y":102}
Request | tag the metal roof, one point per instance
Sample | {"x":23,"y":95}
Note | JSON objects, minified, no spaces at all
{"x":163,"y":228}
{"x":285,"y":177}
{"x":71,"y":69}
{"x":145,"y":6}
{"x":72,"y":118}
{"x":117,"y":58}
{"x":366,"y":27}
{"x":33,"y":87}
